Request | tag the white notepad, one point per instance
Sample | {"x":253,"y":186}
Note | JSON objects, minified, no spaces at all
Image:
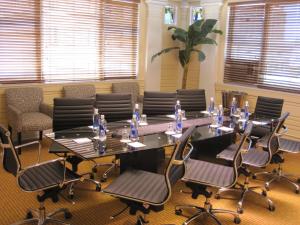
{"x":136,"y":144}
{"x":177,"y":135}
{"x":226,"y":129}
{"x":82,"y":140}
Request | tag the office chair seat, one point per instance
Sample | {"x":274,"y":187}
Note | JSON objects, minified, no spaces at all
{"x":45,"y":175}
{"x":139,"y":185}
{"x":290,"y":146}
{"x":58,"y":149}
{"x":210,"y":173}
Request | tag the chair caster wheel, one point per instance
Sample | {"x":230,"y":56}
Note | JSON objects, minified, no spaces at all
{"x":71,"y":196}
{"x":92,"y":176}
{"x":68,"y":215}
{"x":271,"y":208}
{"x":103,"y":179}
{"x":297,"y":191}
{"x":178,"y":212}
{"x":254,"y":177}
{"x":237,"y":220}
{"x":240,"y":211}
{"x":274,"y":171}
{"x":264,"y":193}
{"x":94,"y":170}
{"x":29,"y":215}
{"x":217,"y":196}
{"x":298,"y":181}
{"x":98,"y":188}
{"x":267,"y":187}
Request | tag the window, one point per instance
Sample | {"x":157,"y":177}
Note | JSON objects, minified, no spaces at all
{"x":68,"y":40}
{"x":263,"y":44}
{"x":170,"y":15}
{"x":196,"y":14}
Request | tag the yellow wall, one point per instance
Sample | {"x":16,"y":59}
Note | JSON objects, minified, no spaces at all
{"x":291,"y":101}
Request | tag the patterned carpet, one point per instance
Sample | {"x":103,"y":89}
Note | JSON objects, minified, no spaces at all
{"x":94,"y":208}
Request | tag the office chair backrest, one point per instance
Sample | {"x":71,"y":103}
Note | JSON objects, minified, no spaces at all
{"x":175,"y":167}
{"x":114,"y":106}
{"x":273,"y":142}
{"x":69,"y":113}
{"x":268,"y":107}
{"x":11,"y":161}
{"x":237,"y":159}
{"x":158,"y":103}
{"x":192,"y":100}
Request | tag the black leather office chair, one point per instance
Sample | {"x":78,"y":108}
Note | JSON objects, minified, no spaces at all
{"x":199,"y":175}
{"x":114,"y":106}
{"x":260,"y":156}
{"x":268,"y":108}
{"x":192,"y":99}
{"x":69,"y":113}
{"x":47,"y":178}
{"x":159,"y":103}
{"x":285,"y":146}
{"x":142,"y":190}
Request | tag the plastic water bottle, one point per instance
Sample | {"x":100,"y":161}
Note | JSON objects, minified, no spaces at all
{"x":211,"y":106}
{"x":246,"y":110}
{"x":220,"y":115}
{"x":233,"y":106}
{"x":102,"y":141}
{"x":102,"y":123}
{"x":177,"y":108}
{"x":95,"y":120}
{"x":179,"y":122}
{"x":134,"y":136}
{"x":137,"y":113}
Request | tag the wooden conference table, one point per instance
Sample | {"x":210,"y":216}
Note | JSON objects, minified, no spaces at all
{"x":206,"y":141}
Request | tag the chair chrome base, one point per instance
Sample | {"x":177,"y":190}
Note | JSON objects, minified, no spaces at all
{"x":244,"y":189}
{"x":277,"y":175}
{"x":206,"y":210}
{"x":112,"y":165}
{"x":40,"y":217}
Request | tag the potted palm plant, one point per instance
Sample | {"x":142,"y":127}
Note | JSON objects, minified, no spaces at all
{"x":195,"y":36}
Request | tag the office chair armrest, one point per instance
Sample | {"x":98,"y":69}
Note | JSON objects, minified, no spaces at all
{"x":282,"y":132}
{"x":187,"y":156}
{"x":32,"y":143}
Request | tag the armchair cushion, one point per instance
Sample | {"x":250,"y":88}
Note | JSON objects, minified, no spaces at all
{"x":35,"y":121}
{"x":46,"y":109}
{"x":25,"y":99}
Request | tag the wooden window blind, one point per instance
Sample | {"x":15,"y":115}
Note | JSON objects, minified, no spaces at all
{"x":68,"y":40}
{"x":263,"y":44}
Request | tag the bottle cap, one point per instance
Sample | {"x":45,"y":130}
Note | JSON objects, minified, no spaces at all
{"x":220,"y":106}
{"x":96,"y":110}
{"x":136,"y":105}
{"x":246,"y":103}
{"x":177,"y":102}
{"x":234,"y":99}
{"x":102,"y":117}
{"x":212,"y":99}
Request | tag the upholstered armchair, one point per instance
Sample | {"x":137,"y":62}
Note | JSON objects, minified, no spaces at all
{"x":26,"y":111}
{"x":79,"y":91}
{"x":129,"y":88}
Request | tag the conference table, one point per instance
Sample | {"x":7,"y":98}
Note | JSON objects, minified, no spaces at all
{"x":148,"y":153}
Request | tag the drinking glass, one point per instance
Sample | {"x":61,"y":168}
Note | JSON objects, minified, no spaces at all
{"x":143,"y":119}
{"x":170,"y":128}
{"x":125,"y":134}
{"x":183,"y":114}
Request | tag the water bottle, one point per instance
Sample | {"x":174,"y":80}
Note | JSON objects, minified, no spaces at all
{"x":211,"y":106}
{"x":102,"y":123}
{"x":233,"y":107}
{"x":102,"y":141}
{"x":177,"y":107}
{"x":95,"y":120}
{"x":246,"y":110}
{"x":179,"y":122}
{"x":137,"y":113}
{"x":220,"y":115}
{"x":134,"y":136}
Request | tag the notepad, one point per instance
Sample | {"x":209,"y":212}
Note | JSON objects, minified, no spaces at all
{"x":204,"y":112}
{"x":170,"y":132}
{"x":261,"y":123}
{"x":173,"y":117}
{"x":143,"y":124}
{"x":82,"y":140}
{"x":226,"y":129}
{"x":136,"y":144}
{"x":125,"y":140}
{"x":214,"y":126}
{"x":177,"y":135}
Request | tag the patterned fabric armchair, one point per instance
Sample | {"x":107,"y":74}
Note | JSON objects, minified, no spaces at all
{"x":26,"y":110}
{"x":79,"y":91}
{"x":129,"y":88}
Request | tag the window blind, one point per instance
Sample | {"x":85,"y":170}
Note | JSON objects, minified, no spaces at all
{"x":263,"y":44}
{"x":68,"y":40}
